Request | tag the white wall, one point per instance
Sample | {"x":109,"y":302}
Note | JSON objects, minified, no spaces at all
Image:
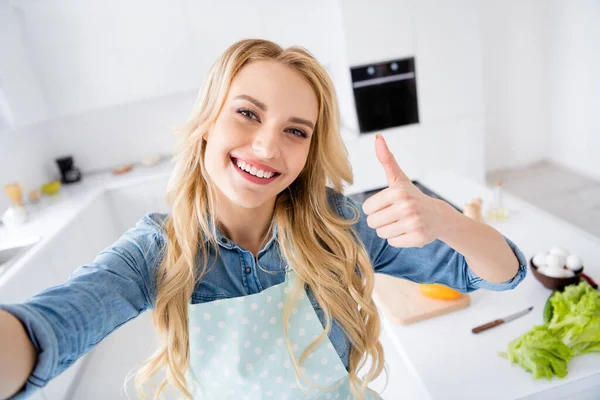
{"x":575,"y":100}
{"x":98,"y":139}
{"x":19,"y":83}
{"x":105,"y":122}
{"x":515,"y":45}
{"x":114,"y":94}
{"x":542,"y":89}
{"x":444,"y":38}
{"x":106,"y":53}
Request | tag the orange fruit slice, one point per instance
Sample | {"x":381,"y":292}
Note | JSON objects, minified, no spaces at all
{"x":438,"y":291}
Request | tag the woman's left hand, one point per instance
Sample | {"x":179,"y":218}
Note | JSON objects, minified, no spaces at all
{"x":401,"y":213}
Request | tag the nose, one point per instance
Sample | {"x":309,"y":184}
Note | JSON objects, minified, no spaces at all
{"x":266,"y":142}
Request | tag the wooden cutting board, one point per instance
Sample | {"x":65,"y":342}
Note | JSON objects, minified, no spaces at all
{"x":403,"y":303}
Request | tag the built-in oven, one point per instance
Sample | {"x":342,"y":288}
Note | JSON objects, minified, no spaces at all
{"x":385,"y":94}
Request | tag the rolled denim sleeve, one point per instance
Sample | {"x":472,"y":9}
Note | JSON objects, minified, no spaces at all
{"x":479,"y":283}
{"x":435,"y":262}
{"x":66,"y":321}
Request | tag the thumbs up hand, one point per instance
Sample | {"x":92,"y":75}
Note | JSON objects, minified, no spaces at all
{"x":401,"y":213}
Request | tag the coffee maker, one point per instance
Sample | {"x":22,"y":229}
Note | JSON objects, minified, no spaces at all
{"x":69,"y":173}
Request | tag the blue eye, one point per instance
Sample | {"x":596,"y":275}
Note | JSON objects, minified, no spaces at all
{"x":298,"y":132}
{"x":251,"y":115}
{"x":248,"y":114}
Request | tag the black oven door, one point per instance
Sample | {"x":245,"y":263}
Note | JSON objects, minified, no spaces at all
{"x":385,"y":95}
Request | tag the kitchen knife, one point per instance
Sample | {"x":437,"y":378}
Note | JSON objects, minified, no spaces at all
{"x":500,"y":321}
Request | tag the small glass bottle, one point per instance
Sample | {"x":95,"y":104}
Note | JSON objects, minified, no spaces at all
{"x":497,"y":212}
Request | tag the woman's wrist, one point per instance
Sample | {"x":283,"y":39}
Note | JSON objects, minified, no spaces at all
{"x":449,"y":220}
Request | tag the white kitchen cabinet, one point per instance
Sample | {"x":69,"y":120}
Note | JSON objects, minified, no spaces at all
{"x":158,"y":52}
{"x":215,"y":25}
{"x":48,"y":267}
{"x":19,"y":83}
{"x":117,"y":354}
{"x":114,"y":357}
{"x":75,"y":245}
{"x":448,"y":59}
{"x":100,"y":54}
{"x":444,"y":37}
{"x":61,"y":387}
{"x":70,"y":249}
{"x":310,"y":24}
{"x":35,"y":275}
{"x":129,"y":204}
{"x":73,"y":46}
{"x":377,"y":30}
{"x":98,"y":222}
{"x":39,"y":395}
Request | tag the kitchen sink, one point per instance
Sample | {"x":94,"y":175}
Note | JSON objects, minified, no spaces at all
{"x":11,"y":249}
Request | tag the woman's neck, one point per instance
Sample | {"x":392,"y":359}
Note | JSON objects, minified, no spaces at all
{"x":247,"y":227}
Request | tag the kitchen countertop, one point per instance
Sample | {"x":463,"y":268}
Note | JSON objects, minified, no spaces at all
{"x":442,"y":355}
{"x":450,"y":362}
{"x":53,"y":213}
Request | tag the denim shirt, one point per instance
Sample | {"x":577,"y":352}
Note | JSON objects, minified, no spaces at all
{"x":66,"y":321}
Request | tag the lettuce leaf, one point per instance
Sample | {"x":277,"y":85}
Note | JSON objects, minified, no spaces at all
{"x":540,"y":352}
{"x":573,"y":329}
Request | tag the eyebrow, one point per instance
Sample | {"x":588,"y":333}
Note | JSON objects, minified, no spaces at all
{"x":263,"y":107}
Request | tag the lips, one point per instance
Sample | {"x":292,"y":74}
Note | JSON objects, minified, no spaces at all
{"x":253,"y":178}
{"x":256,"y":164}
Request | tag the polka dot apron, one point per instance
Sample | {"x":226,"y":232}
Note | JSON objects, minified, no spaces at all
{"x":238,"y":350}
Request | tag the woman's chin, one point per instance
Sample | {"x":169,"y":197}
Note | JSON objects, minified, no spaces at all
{"x":249,"y":198}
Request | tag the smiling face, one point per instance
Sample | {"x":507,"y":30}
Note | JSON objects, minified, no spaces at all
{"x":260,"y":141}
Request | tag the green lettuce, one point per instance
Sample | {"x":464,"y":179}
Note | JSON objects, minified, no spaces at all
{"x":576,"y":318}
{"x":572,"y":327}
{"x":540,"y":352}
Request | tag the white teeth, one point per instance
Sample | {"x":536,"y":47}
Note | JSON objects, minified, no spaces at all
{"x":253,"y":170}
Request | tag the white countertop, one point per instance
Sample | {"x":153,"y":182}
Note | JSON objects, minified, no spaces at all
{"x":444,"y":357}
{"x":53,"y":213}
{"x":452,"y":363}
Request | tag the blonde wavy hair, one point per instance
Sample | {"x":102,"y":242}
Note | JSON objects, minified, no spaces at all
{"x":315,"y":241}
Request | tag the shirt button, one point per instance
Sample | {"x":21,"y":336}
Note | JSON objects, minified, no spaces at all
{"x":224,"y":240}
{"x":248,"y":270}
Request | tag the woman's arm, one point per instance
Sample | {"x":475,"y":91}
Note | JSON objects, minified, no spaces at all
{"x":486,"y":251}
{"x":64,"y":322}
{"x":435,"y":262}
{"x":476,"y":255}
{"x":17,"y":355}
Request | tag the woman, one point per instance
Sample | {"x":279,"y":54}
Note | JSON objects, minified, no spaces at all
{"x":261,"y":278}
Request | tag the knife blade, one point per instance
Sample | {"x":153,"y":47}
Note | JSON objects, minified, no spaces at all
{"x":500,"y":321}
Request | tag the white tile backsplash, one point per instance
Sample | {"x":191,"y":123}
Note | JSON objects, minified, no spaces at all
{"x":98,"y":140}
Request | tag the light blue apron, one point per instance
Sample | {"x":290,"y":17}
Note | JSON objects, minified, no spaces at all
{"x":238,"y":350}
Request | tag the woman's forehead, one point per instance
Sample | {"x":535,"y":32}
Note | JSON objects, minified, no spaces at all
{"x":278,"y":87}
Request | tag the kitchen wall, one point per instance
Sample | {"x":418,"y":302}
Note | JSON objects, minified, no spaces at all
{"x":445,"y":41}
{"x":515,"y":56}
{"x":542,"y":90}
{"x":110,"y":96}
{"x":103,"y":128}
{"x":574,"y":73}
{"x":99,"y":139}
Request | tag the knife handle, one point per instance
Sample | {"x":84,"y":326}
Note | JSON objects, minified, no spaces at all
{"x":589,"y":280}
{"x":489,"y":325}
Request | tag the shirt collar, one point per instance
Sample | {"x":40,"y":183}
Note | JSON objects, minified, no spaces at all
{"x":227,"y":243}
